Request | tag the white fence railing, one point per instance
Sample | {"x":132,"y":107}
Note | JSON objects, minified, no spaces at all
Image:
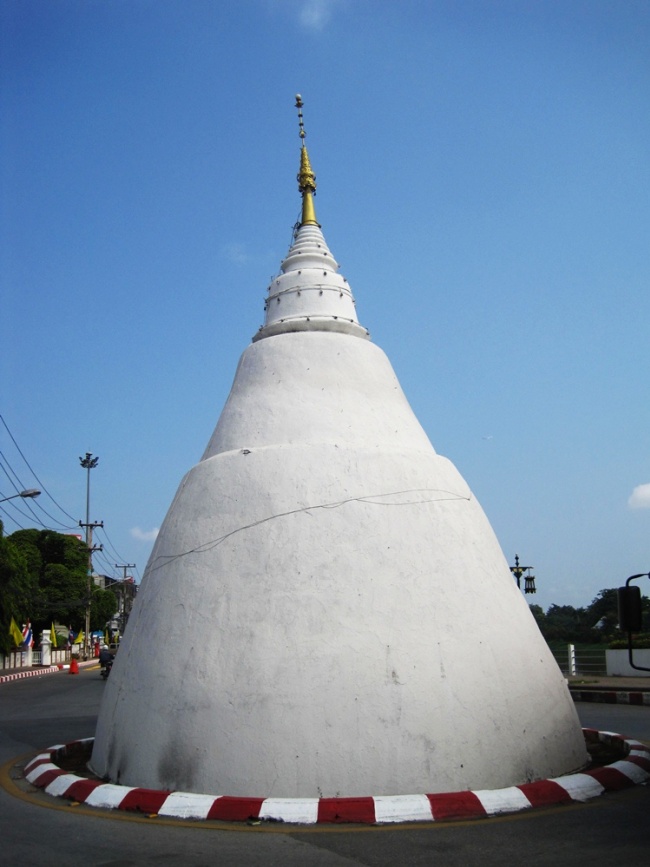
{"x":19,"y":659}
{"x":575,"y":660}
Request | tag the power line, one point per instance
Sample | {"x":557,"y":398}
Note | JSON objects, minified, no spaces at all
{"x":106,"y":565}
{"x":21,"y":486}
{"x":41,"y":485}
{"x":17,"y":485}
{"x":11,"y":518}
{"x":18,"y":489}
{"x":110,"y":545}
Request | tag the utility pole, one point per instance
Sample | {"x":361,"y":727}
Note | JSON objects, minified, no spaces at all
{"x":89,"y":580}
{"x":123,"y":612}
{"x":89,"y":463}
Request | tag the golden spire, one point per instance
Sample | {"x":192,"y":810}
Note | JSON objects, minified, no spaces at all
{"x":306,"y":177}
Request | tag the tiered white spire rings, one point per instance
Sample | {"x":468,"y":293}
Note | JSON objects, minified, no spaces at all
{"x":309,"y":294}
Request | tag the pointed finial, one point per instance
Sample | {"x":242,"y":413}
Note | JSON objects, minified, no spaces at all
{"x":306,"y":177}
{"x":299,"y":105}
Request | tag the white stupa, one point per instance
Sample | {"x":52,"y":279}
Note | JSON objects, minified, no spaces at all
{"x":326,"y":611}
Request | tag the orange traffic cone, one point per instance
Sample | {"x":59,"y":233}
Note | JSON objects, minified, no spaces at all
{"x":74,"y":666}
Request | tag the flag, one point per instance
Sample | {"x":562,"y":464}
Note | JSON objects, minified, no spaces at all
{"x":15,"y":633}
{"x":53,"y":640}
{"x":80,"y":637}
{"x":28,"y":638}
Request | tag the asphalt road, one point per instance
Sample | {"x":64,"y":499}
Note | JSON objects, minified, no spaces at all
{"x":40,"y":712}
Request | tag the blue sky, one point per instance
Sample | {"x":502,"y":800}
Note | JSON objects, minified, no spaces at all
{"x":484,"y":181}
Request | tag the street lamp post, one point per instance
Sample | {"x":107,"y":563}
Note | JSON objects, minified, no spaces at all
{"x":29,"y":494}
{"x":519,"y":571}
{"x":89,"y":463}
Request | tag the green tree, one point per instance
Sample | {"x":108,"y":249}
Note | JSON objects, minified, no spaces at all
{"x":540,"y":617}
{"x":17,"y":589}
{"x":602,"y":615}
{"x":597,"y":623}
{"x":44,"y":578}
{"x":103,"y":606}
{"x":62,"y":595}
{"x":57,"y":568}
{"x":27,"y":543}
{"x":59,"y":548}
{"x":566,"y":623}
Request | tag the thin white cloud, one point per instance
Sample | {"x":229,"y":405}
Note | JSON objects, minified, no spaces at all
{"x":640,"y":497}
{"x":145,"y":535}
{"x":315,"y":14}
{"x":235,"y":253}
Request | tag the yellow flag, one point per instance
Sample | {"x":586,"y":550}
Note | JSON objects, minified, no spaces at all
{"x":53,"y":641}
{"x":80,"y":638}
{"x":15,"y":633}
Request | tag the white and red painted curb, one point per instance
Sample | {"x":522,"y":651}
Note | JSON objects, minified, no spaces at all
{"x":48,"y":669}
{"x":42,"y":771}
{"x":29,"y":672}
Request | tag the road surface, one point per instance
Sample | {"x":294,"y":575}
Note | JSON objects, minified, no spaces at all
{"x":39,"y":712}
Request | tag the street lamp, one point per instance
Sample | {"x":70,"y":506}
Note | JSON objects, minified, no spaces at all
{"x":529,"y":580}
{"x":29,"y":494}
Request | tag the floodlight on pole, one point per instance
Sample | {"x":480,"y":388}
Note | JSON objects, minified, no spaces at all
{"x":89,"y":463}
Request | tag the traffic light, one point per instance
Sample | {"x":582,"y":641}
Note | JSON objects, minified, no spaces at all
{"x":629,"y":608}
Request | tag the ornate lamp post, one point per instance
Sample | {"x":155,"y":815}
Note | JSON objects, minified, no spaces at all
{"x":519,"y":571}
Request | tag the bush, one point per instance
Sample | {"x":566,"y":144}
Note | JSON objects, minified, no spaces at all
{"x":639,"y":642}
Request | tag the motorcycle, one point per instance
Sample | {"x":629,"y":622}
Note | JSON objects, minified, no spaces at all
{"x":106,"y":668}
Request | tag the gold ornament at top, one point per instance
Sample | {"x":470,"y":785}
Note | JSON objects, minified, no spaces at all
{"x":305,"y":177}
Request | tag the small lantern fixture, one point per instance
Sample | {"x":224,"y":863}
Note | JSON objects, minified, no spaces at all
{"x":519,"y":571}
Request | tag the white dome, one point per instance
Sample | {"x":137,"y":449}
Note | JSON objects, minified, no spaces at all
{"x":326,"y":610}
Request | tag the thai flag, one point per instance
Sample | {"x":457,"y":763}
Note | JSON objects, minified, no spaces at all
{"x":28,"y":638}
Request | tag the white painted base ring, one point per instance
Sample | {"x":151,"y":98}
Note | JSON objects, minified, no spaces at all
{"x":43,"y":772}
